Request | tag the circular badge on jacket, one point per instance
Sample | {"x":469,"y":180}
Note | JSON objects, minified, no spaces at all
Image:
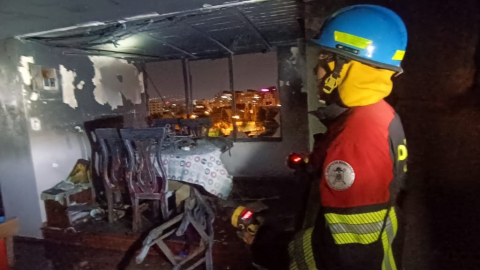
{"x":340,"y":175}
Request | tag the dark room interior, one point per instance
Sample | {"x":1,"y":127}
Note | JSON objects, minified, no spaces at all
{"x":183,"y":134}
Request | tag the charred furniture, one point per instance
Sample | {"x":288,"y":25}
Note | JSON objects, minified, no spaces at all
{"x":113,"y":167}
{"x":145,"y":180}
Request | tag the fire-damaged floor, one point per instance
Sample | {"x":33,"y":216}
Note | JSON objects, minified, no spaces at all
{"x":107,"y":250}
{"x":48,"y":256}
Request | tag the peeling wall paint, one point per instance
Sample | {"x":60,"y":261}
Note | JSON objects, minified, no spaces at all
{"x":140,"y":82}
{"x":35,"y":124}
{"x":80,"y":85}
{"x":68,"y":88}
{"x":41,"y":139}
{"x":34,"y":96}
{"x":24,"y":69}
{"x":114,"y":78}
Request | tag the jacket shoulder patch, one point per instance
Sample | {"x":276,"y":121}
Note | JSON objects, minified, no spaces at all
{"x":339,"y":175}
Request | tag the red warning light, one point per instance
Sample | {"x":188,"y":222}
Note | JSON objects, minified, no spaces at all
{"x":297,"y":159}
{"x":247,"y":215}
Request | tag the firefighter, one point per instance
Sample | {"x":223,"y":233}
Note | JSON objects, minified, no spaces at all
{"x":361,"y":159}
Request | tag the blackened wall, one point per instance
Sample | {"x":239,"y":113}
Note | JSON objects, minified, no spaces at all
{"x":17,"y":176}
{"x":439,"y":104}
{"x":438,"y":100}
{"x":47,"y":151}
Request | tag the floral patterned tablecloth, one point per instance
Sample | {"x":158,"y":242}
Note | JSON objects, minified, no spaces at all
{"x":204,"y":169}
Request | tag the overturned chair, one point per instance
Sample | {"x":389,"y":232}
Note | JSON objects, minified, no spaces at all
{"x":200,"y":215}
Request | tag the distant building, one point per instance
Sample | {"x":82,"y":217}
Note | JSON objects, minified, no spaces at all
{"x":270,"y":97}
{"x":223,"y":99}
{"x":155,"y":106}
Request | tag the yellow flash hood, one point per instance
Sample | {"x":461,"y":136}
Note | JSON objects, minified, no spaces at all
{"x":361,"y":85}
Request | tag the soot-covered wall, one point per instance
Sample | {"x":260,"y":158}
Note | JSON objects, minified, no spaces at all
{"x":49,"y":125}
{"x":438,"y":99}
{"x":17,"y":176}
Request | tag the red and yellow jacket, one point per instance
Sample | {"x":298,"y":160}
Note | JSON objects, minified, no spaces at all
{"x":362,"y":162}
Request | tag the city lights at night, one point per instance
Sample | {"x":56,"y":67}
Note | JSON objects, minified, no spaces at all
{"x":256,"y":112}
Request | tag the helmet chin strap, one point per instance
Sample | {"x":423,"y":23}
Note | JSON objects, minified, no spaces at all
{"x":331,"y":83}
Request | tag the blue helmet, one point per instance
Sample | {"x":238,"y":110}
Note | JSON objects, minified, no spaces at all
{"x":367,"y":33}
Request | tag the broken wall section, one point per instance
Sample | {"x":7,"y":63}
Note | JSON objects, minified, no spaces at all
{"x":86,"y":88}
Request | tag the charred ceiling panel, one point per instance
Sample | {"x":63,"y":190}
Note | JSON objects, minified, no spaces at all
{"x":246,"y":27}
{"x":27,"y":16}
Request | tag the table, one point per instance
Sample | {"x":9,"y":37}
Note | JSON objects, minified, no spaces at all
{"x":200,"y":165}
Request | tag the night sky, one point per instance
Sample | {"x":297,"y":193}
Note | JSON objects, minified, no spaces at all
{"x":209,"y":77}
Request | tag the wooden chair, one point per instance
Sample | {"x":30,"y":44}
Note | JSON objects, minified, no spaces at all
{"x":200,"y":215}
{"x":199,"y":127}
{"x":145,"y":182}
{"x":96,"y":151}
{"x":113,"y":166}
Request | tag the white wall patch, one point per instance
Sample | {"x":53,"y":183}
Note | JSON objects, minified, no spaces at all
{"x":295,"y":55}
{"x":24,"y":69}
{"x":80,"y":85}
{"x":34,"y":96}
{"x":68,"y":88}
{"x":35,"y":124}
{"x":109,"y":88}
{"x":140,"y":80}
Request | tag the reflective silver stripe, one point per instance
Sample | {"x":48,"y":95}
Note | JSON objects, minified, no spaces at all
{"x":391,"y":236}
{"x":375,"y":227}
{"x":387,"y":238}
{"x":389,"y":229}
{"x":387,"y":235}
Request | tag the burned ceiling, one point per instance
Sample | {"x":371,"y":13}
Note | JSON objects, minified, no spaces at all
{"x":238,"y":28}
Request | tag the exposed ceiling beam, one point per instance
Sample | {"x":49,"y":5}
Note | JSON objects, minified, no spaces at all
{"x":89,"y":51}
{"x":252,"y":27}
{"x":152,"y":15}
{"x":163,"y":42}
{"x":82,"y":51}
{"x":207,"y":7}
{"x":207,"y":36}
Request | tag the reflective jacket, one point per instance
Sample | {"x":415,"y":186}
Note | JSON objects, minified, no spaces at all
{"x":362,"y":160}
